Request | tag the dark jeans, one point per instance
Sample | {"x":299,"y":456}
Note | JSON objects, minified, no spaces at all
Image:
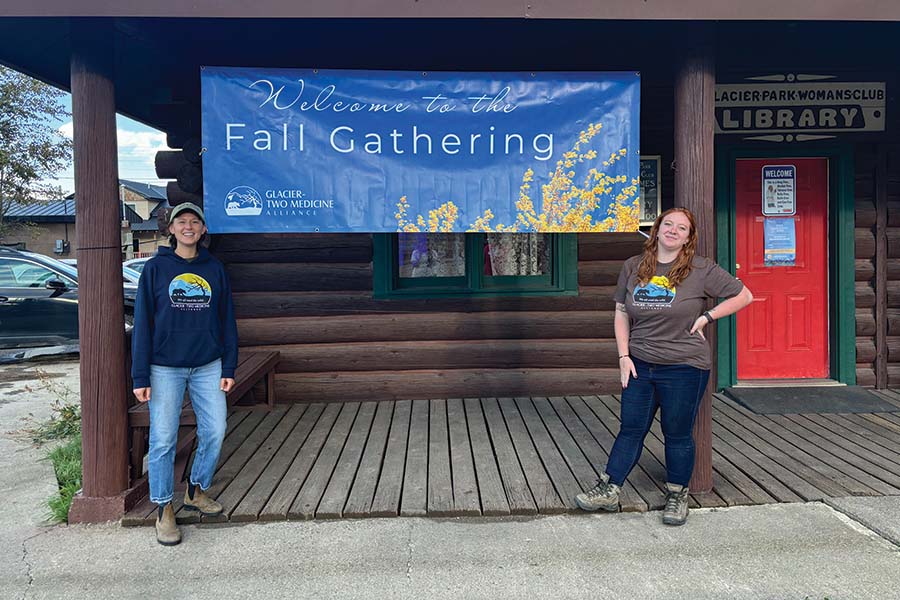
{"x":677,"y":390}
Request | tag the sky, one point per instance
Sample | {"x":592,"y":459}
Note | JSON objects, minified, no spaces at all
{"x":138,"y":145}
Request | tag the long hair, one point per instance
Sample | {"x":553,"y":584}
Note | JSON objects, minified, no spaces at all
{"x":683,"y":263}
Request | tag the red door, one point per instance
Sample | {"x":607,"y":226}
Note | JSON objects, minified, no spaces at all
{"x":784,"y":333}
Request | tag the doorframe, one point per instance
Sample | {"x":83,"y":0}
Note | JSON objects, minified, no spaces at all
{"x":841,"y":251}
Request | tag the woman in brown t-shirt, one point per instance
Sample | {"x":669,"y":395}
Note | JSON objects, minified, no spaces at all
{"x":664,"y":358}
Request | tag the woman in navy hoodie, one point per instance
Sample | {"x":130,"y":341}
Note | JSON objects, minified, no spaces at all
{"x":184,"y":335}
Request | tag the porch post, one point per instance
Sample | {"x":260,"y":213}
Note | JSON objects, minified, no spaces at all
{"x":695,"y":81}
{"x":100,"y":302}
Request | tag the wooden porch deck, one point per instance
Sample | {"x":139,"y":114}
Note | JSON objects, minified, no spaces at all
{"x":521,"y":456}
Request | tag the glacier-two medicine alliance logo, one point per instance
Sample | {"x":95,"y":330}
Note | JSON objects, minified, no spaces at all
{"x":243,"y":200}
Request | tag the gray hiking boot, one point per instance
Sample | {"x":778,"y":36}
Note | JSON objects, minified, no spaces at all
{"x":603,"y":496}
{"x":676,"y":512}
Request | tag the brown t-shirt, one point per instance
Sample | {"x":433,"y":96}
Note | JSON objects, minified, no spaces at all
{"x":662,"y":316}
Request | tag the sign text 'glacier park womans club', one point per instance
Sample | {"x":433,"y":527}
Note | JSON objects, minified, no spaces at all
{"x":384,"y":151}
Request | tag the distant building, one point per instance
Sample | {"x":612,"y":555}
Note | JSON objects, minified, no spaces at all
{"x":54,"y":232}
{"x":147,"y":201}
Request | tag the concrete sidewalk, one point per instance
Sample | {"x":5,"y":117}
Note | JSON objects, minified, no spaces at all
{"x":787,"y":551}
{"x":777,"y":551}
{"x":25,"y":477}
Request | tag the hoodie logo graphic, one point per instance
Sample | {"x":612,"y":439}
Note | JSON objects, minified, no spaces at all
{"x":190,"y":291}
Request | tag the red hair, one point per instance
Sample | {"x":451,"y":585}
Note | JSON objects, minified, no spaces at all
{"x":683,"y":263}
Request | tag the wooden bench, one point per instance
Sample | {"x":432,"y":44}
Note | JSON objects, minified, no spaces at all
{"x":252,"y":368}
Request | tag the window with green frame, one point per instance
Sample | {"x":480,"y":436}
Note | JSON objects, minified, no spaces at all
{"x":416,"y":265}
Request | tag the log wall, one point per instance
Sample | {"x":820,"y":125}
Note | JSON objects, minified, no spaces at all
{"x":877,"y":265}
{"x":310,"y":297}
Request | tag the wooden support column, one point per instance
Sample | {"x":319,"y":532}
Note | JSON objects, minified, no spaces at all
{"x":104,"y":403}
{"x":695,"y":82}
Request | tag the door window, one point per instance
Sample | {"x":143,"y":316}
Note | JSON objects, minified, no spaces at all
{"x":7,"y":278}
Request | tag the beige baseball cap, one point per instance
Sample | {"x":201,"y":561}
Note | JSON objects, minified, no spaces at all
{"x":187,"y":206}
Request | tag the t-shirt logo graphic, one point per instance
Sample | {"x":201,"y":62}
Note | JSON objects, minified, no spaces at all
{"x":189,"y":290}
{"x":658,"y":291}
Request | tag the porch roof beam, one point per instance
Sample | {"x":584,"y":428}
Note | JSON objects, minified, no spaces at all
{"x":758,"y":10}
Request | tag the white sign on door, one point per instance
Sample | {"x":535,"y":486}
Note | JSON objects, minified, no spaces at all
{"x":779,"y":190}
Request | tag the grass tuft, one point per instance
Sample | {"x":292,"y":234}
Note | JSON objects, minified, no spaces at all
{"x":60,"y":502}
{"x":64,"y":429}
{"x":66,"y":460}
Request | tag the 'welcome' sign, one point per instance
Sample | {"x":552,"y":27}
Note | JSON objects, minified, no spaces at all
{"x":380,"y":151}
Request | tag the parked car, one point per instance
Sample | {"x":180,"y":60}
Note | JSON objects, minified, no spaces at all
{"x":129,"y":275}
{"x":39,"y":300}
{"x":137,"y":263}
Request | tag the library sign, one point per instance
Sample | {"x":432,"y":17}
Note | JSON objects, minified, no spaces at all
{"x":787,"y":108}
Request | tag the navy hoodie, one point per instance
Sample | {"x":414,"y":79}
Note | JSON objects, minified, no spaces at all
{"x":183,"y":316}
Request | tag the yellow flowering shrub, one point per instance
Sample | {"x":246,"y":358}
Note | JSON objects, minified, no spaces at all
{"x":566,"y":204}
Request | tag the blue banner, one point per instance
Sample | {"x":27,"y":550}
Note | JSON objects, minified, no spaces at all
{"x":384,"y":151}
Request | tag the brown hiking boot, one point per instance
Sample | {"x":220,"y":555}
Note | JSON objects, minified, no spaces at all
{"x":196,"y":499}
{"x":167,"y":532}
{"x":603,"y":496}
{"x":676,"y":512}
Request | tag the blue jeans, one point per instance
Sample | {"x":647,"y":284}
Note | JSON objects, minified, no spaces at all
{"x":167,"y":386}
{"x":677,"y":390}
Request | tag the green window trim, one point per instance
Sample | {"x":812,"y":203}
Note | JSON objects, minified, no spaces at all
{"x":562,"y":281}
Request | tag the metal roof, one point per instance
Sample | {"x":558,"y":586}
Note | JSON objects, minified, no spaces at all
{"x":63,"y":211}
{"x":151,"y":192}
{"x":131,"y":216}
{"x":161,"y":206}
{"x":60,"y":211}
{"x":149,"y":225}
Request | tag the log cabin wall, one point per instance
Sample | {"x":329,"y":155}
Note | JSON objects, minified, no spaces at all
{"x":864,"y":190}
{"x":877,"y":265}
{"x":310,"y":297}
